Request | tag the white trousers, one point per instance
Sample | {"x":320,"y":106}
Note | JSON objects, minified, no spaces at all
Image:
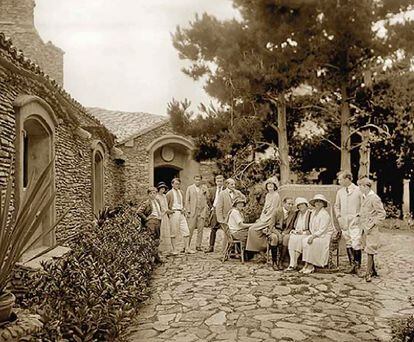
{"x":178,"y":223}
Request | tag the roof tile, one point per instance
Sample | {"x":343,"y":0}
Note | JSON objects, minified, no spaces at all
{"x":127,"y":125}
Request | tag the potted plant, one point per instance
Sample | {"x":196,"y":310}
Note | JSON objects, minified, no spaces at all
{"x":18,"y":228}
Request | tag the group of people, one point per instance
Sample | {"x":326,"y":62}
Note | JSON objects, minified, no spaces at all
{"x":290,"y":226}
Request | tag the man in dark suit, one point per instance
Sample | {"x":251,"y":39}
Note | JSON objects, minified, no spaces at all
{"x":213,"y":195}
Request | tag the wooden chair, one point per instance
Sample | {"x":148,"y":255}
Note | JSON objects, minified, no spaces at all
{"x":232,"y":243}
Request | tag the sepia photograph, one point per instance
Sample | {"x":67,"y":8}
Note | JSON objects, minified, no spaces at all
{"x":207,"y":170}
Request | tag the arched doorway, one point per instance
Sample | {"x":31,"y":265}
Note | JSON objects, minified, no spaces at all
{"x":37,"y":153}
{"x":171,"y":155}
{"x":35,"y":138}
{"x":165,"y":174}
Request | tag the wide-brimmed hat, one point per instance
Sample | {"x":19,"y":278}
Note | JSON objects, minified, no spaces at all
{"x":272,"y":180}
{"x":301,"y":200}
{"x":162,"y":185}
{"x":239,"y":199}
{"x":319,"y":197}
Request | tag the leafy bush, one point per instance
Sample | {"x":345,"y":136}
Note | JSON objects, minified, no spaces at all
{"x":392,"y":210}
{"x":403,"y":329}
{"x":92,"y":293}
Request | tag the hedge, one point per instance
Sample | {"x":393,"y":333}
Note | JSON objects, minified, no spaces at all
{"x":92,"y":293}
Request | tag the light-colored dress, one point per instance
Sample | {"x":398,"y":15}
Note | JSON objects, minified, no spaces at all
{"x":257,"y":239}
{"x":165,"y":228}
{"x":317,"y":253}
{"x":299,"y":232}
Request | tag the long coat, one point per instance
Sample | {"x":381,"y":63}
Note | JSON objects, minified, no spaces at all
{"x":257,"y":238}
{"x":225,"y":203}
{"x":371,"y":215}
{"x":192,"y":199}
{"x":321,"y":228}
{"x":347,"y":206}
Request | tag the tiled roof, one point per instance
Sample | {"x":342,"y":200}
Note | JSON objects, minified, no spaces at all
{"x":127,"y":125}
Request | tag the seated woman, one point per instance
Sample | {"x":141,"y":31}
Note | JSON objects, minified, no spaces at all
{"x":259,"y":232}
{"x":299,"y":230}
{"x":316,"y":246}
{"x":235,"y":220}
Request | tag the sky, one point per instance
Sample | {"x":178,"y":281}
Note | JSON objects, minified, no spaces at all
{"x":121,"y":57}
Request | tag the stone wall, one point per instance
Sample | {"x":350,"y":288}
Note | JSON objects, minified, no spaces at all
{"x":73,"y":161}
{"x":17,"y":22}
{"x":136,"y":168}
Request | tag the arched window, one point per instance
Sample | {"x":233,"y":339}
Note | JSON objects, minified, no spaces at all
{"x":98,"y":201}
{"x":35,"y":140}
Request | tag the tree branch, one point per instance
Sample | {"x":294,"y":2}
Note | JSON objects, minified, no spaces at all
{"x":332,"y":143}
{"x":275,"y":127}
{"x":370,"y":125}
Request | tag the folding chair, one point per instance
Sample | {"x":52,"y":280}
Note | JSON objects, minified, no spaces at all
{"x":232,"y":243}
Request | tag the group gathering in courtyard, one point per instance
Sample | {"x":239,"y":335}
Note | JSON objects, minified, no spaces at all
{"x":290,"y":226}
{"x":202,"y":171}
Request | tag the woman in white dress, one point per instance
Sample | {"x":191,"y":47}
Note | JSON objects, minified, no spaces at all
{"x":165,"y":229}
{"x":316,"y":245}
{"x":298,"y":232}
{"x":258,"y":235}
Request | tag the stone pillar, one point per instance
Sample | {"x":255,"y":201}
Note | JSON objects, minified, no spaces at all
{"x":406,"y":197}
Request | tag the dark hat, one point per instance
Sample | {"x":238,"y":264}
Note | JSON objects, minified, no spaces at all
{"x":162,"y":185}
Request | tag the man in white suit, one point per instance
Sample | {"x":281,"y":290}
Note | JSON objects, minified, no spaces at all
{"x":347,"y":206}
{"x":196,"y":206}
{"x":371,"y":215}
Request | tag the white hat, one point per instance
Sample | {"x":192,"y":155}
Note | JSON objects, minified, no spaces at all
{"x":319,"y":197}
{"x":301,"y":200}
{"x":272,"y":180}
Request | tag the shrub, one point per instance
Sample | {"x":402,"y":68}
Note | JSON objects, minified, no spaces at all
{"x":403,"y":329}
{"x":392,"y":210}
{"x":92,"y":293}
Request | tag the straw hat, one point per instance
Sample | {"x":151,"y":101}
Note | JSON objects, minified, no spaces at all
{"x":319,"y":197}
{"x":301,"y":200}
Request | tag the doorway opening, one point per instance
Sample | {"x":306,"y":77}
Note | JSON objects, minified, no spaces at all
{"x":165,"y":174}
{"x":37,"y":153}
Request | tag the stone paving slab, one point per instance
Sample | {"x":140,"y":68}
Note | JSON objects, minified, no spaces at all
{"x":199,"y":298}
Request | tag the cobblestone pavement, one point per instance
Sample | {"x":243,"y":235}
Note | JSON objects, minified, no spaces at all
{"x":199,"y":298}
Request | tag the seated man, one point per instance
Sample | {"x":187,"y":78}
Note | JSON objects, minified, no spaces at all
{"x":299,"y":231}
{"x":235,"y":221}
{"x":150,"y":213}
{"x":281,"y":225}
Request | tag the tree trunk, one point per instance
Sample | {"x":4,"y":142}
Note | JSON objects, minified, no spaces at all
{"x":283,"y":141}
{"x":364,"y":155}
{"x":345,"y":130}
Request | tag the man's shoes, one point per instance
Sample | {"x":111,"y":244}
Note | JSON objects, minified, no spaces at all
{"x":368,"y":277}
{"x":198,"y":249}
{"x":280,"y":267}
{"x":189,"y":251}
{"x":352,"y":269}
{"x":174,"y":253}
{"x":209,"y":250}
